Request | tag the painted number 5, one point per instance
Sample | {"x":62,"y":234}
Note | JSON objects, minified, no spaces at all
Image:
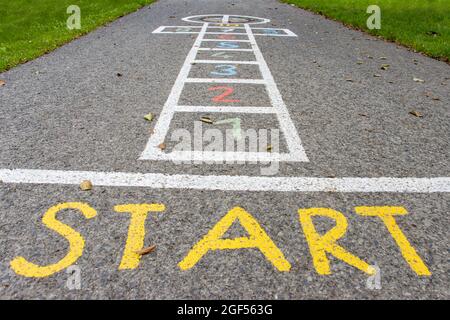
{"x":221,"y":97}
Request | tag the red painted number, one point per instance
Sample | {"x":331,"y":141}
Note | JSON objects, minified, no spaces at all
{"x":221,"y":97}
{"x":226,"y":37}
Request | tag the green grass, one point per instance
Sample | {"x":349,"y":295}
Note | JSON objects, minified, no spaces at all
{"x":410,"y":22}
{"x":30,"y":28}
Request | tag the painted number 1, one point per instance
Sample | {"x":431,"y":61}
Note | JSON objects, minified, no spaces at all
{"x":221,"y":97}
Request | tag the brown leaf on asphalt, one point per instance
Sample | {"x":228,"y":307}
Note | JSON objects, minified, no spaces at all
{"x":377,"y":75}
{"x":206,"y":120}
{"x":418,"y":80}
{"x":119,"y":74}
{"x":269,"y":148}
{"x":2,"y":83}
{"x":383,"y":58}
{"x":86,"y":185}
{"x":349,"y":79}
{"x":146,"y":250}
{"x":416,"y":114}
{"x":162,"y":146}
{"x":385,"y":66}
{"x":149,"y":117}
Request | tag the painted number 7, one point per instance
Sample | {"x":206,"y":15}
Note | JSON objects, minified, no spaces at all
{"x":221,"y":97}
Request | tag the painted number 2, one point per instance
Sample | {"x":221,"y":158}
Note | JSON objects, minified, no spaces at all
{"x":224,"y":70}
{"x":221,"y":97}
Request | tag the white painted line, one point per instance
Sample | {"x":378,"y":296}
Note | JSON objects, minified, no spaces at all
{"x":223,"y":27}
{"x":262,"y":110}
{"x":158,"y":30}
{"x":220,"y":49}
{"x":221,"y":156}
{"x":225,"y":62}
{"x":219,"y":80}
{"x":229,"y":183}
{"x":288,"y":32}
{"x":225,"y":18}
{"x":286,"y":125}
{"x":224,"y":40}
{"x":164,"y":119}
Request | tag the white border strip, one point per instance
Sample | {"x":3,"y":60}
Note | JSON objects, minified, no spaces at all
{"x":220,"y":80}
{"x":226,"y":109}
{"x":224,"y":40}
{"x":225,"y":62}
{"x":229,"y":183}
{"x":288,"y":33}
{"x":220,"y":49}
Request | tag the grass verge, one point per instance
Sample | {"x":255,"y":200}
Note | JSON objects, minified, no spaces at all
{"x":30,"y":28}
{"x":423,"y":25}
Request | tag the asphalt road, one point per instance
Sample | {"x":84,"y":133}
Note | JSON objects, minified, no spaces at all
{"x":70,"y":111}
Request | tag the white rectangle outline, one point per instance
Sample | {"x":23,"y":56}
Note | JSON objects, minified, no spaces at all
{"x":220,"y":49}
{"x":224,"y":40}
{"x":224,"y":80}
{"x":288,"y":33}
{"x":296,"y":151}
{"x":226,"y":109}
{"x":225,"y":62}
{"x":229,"y":183}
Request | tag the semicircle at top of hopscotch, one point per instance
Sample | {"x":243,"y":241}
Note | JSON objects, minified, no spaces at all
{"x":224,"y":18}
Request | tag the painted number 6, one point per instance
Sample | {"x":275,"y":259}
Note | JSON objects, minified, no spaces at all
{"x":221,"y":97}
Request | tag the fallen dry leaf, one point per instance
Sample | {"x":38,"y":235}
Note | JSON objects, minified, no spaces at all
{"x":377,"y":75}
{"x":86,"y":185}
{"x":269,"y":148}
{"x":162,"y":146}
{"x":416,"y":114}
{"x":147,"y":250}
{"x":206,"y":120}
{"x":2,"y":83}
{"x":418,"y":80}
{"x":149,"y":117}
{"x":385,"y":66}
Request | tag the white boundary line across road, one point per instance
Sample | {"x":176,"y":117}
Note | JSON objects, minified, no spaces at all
{"x":229,"y":183}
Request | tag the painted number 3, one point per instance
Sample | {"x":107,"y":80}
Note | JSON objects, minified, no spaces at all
{"x":221,"y":97}
{"x":224,"y":70}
